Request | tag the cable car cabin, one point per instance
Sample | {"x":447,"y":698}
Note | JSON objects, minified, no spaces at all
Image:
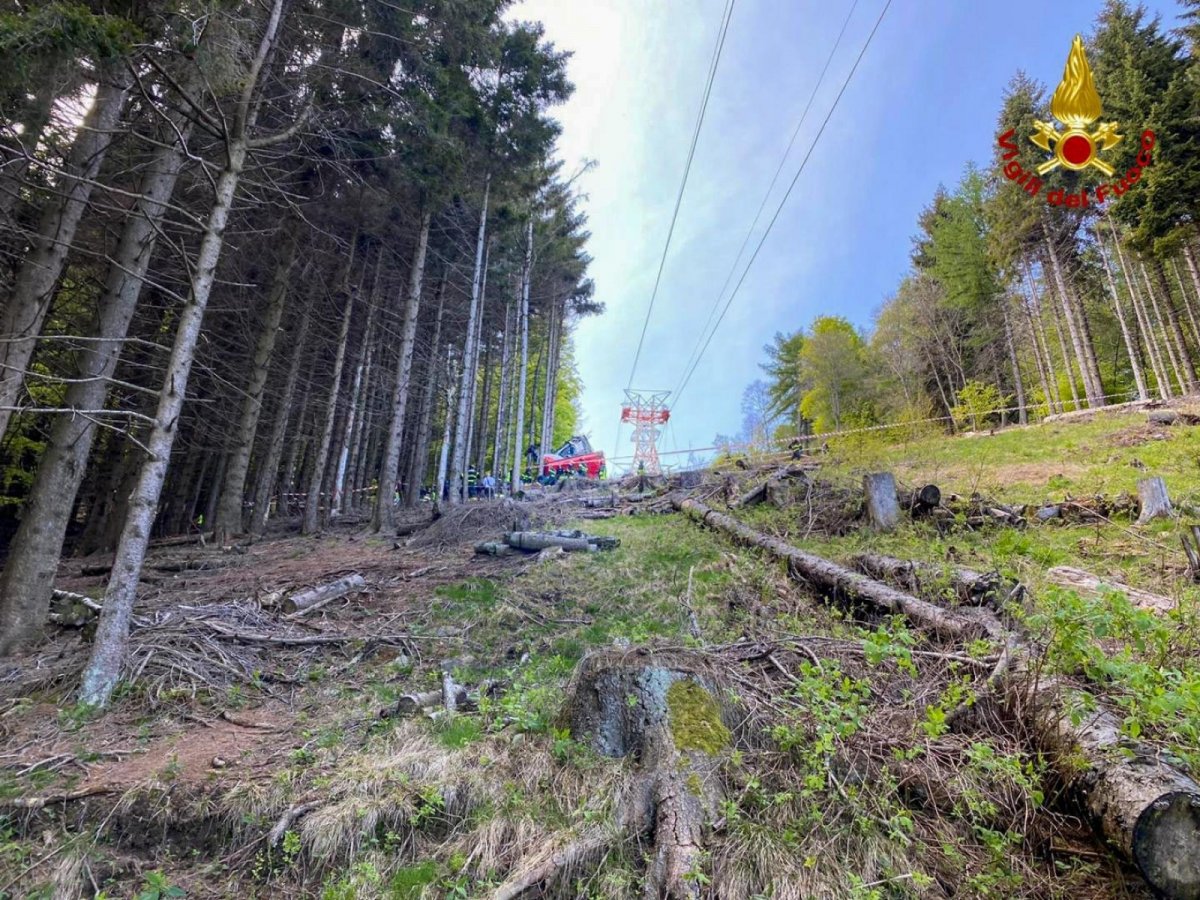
{"x":575,"y":457}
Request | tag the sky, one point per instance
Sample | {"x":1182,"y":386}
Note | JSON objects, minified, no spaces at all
{"x":922,"y":104}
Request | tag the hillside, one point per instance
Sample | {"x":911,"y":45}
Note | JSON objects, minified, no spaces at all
{"x":839,"y":752}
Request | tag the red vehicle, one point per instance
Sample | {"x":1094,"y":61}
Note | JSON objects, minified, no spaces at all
{"x":570,"y":456}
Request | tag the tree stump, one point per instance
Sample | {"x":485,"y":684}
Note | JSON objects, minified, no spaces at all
{"x":1155,"y":504}
{"x":662,"y":709}
{"x":883,"y":509}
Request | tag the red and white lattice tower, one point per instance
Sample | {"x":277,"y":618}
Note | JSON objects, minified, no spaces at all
{"x":646,"y":410}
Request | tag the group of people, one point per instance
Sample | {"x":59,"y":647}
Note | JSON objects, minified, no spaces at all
{"x":485,"y":488}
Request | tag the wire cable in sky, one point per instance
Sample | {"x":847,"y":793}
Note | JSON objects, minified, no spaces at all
{"x":771,"y":187}
{"x":804,"y":162}
{"x":687,"y":168}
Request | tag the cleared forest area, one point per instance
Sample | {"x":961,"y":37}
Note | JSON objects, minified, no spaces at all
{"x":518,"y":725}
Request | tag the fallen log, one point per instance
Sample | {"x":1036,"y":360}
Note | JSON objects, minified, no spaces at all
{"x":1143,"y":806}
{"x":841,"y":583}
{"x":970,"y":587}
{"x":1092,"y":585}
{"x":307,"y":601}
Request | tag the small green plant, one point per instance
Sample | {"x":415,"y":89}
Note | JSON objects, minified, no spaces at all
{"x":155,"y":886}
{"x":172,"y":770}
{"x":429,"y":806}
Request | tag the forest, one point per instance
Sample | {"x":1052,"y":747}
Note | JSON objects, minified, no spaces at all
{"x":269,"y":258}
{"x":1015,"y":309}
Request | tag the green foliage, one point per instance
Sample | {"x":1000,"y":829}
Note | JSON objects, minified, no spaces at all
{"x":978,"y":406}
{"x":835,"y":368}
{"x":156,"y":886}
{"x":1134,"y":653}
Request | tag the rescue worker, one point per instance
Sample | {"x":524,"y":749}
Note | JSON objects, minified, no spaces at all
{"x":472,"y":481}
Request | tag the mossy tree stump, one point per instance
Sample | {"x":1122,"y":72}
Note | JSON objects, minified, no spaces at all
{"x":664,"y":711}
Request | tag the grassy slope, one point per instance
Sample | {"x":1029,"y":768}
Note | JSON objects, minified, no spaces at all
{"x":444,"y":808}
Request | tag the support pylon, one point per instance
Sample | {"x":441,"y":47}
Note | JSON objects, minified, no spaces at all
{"x":646,"y":410}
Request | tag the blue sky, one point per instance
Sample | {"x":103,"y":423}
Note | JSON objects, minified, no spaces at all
{"x":922,"y":104}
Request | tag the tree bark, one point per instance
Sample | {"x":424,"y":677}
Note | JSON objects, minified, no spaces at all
{"x":499,"y":452}
{"x":458,"y":461}
{"x":523,"y":358}
{"x":33,"y":556}
{"x":362,"y":372}
{"x":385,"y":511}
{"x":474,"y":380}
{"x":1185,"y":356}
{"x":1022,"y":414}
{"x":1074,"y":328}
{"x":229,"y":518}
{"x":883,"y":509}
{"x":1142,"y":316}
{"x":416,"y":476}
{"x":268,"y":470}
{"x":312,"y":501}
{"x":24,"y":310}
{"x":112,"y":634}
{"x":1131,"y":348}
{"x":1155,"y":503}
{"x":1154,"y":311}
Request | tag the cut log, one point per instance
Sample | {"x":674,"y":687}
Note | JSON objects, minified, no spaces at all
{"x":493,"y":548}
{"x":969,"y":587}
{"x":883,"y":509}
{"x":1092,"y":585}
{"x":1143,"y":806}
{"x":538,"y":540}
{"x":921,"y":501}
{"x":304,"y":602}
{"x":1155,"y":504}
{"x":754,"y":496}
{"x":1162,"y":417}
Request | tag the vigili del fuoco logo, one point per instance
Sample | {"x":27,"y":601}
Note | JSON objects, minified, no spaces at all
{"x":1076,"y":104}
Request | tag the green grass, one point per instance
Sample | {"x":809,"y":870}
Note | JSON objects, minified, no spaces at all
{"x":1105,"y":454}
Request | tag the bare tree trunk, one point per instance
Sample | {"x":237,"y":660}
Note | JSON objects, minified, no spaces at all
{"x":269,"y":468}
{"x":474,"y":380}
{"x":33,"y":556}
{"x":1062,"y":349}
{"x":498,"y":453}
{"x":362,"y":374}
{"x":112,"y":633}
{"x":444,"y":453}
{"x":1162,"y":327}
{"x":1185,"y":357}
{"x":1037,"y":328}
{"x":1022,"y":415}
{"x":229,"y":518}
{"x":1074,"y":329}
{"x":1131,"y":348}
{"x":1188,"y":306}
{"x":523,"y":358}
{"x":312,"y":502}
{"x":416,"y":475}
{"x":385,"y":513}
{"x":24,"y":310}
{"x":458,"y":459}
{"x":1142,"y":317}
